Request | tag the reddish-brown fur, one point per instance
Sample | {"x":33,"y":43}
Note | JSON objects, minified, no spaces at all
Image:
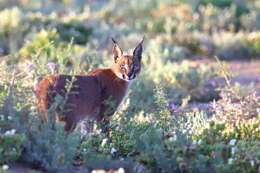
{"x":91,"y":95}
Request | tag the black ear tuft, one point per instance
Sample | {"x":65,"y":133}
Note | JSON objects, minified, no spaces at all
{"x":116,"y":50}
{"x":113,"y":40}
{"x":139,"y":50}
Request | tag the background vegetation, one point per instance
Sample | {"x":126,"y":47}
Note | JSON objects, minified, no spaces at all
{"x":184,"y":113}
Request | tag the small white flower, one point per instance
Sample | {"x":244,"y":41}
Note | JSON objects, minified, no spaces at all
{"x":104,"y":141}
{"x":13,"y":131}
{"x":230,"y":161}
{"x":113,"y":150}
{"x":121,"y":170}
{"x":252,"y":163}
{"x":194,"y":143}
{"x":5,"y":167}
{"x":233,"y":150}
{"x":199,"y":142}
{"x":232,"y":142}
{"x":98,"y":131}
{"x":10,"y":132}
{"x":84,"y":149}
{"x":2,"y":117}
{"x":33,"y":108}
{"x":173,"y":132}
{"x":7,"y":133}
{"x":9,"y":118}
{"x":173,"y":138}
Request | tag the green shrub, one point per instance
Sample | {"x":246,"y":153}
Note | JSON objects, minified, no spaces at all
{"x":48,"y":146}
{"x":238,"y":104}
{"x":17,"y":25}
{"x":11,"y":146}
{"x":250,"y":22}
{"x":47,"y":43}
{"x":186,"y":143}
{"x":76,"y":30}
{"x":72,"y":27}
{"x":236,"y":50}
{"x":142,"y":138}
{"x":41,"y":42}
{"x":10,"y":20}
{"x":180,"y":80}
{"x":253,"y":43}
{"x":232,"y":145}
{"x":167,"y":51}
{"x":220,"y":3}
{"x":188,"y":41}
{"x":11,"y":30}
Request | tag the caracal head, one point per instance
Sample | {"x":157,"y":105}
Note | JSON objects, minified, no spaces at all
{"x":127,"y":67}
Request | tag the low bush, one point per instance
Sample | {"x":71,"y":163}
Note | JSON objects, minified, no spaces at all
{"x":11,"y":146}
{"x":189,"y":142}
{"x":48,"y":44}
{"x":45,"y":145}
{"x":24,"y":25}
{"x":180,"y":80}
{"x":221,"y":3}
{"x":253,"y":43}
{"x":76,"y":30}
{"x":216,"y":147}
{"x":11,"y":31}
{"x":48,"y":146}
{"x":236,"y":50}
{"x":42,"y":40}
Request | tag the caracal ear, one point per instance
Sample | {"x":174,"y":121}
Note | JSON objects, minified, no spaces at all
{"x":116,"y":50}
{"x":138,"y":51}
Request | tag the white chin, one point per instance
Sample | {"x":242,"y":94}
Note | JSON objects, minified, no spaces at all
{"x":127,"y":80}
